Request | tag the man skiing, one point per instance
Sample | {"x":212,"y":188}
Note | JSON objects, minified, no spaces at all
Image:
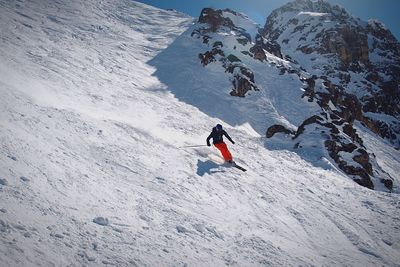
{"x":217,"y":136}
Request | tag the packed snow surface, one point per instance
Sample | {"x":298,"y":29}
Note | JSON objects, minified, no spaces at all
{"x":94,"y":169}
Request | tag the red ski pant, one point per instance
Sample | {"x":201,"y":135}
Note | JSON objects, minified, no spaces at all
{"x":224,"y":150}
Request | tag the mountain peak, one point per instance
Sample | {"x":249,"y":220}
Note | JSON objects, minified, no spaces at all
{"x":307,"y":9}
{"x":217,"y":19}
{"x":356,"y":60}
{"x":319,"y":6}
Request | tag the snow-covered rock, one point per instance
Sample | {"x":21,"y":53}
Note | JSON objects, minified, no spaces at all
{"x":101,"y":221}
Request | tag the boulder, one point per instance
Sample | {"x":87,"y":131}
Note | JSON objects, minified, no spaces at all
{"x":277,"y":129}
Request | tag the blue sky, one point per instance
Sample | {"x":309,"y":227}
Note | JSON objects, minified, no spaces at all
{"x":387,"y":11}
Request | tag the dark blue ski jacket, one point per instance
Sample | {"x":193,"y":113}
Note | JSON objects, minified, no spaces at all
{"x":217,"y":136}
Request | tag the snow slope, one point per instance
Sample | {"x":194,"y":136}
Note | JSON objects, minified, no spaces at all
{"x":92,"y":169}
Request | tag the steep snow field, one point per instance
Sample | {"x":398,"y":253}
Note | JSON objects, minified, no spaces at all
{"x":92,"y":165}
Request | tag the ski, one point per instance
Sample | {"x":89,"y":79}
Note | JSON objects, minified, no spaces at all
{"x":239,"y":167}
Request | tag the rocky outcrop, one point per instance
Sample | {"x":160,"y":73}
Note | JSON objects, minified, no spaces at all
{"x":262,"y":44}
{"x":349,"y":155}
{"x":277,"y":129}
{"x":210,"y":56}
{"x":336,"y":130}
{"x":360,"y":173}
{"x":353,"y":74}
{"x":242,"y":77}
{"x":386,"y":45}
{"x":309,"y":91}
{"x":349,"y":43}
{"x":214,"y":19}
{"x":258,"y":52}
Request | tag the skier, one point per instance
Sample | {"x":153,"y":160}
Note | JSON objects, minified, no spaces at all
{"x":217,"y":134}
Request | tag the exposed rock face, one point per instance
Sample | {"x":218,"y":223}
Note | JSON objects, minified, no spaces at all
{"x":261,"y":45}
{"x":277,"y":129}
{"x":243,"y":79}
{"x":355,"y":78}
{"x":349,"y":43}
{"x":216,"y":21}
{"x":386,"y":46}
{"x":349,"y":155}
{"x":339,"y":123}
{"x":361,"y":173}
{"x":210,"y":56}
{"x":258,"y":49}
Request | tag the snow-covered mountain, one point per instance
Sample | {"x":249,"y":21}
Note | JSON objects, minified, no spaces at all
{"x":353,"y":72}
{"x":351,"y":89}
{"x":99,"y":101}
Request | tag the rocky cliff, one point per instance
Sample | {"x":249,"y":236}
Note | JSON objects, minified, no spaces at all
{"x":349,"y":68}
{"x":354,"y":67}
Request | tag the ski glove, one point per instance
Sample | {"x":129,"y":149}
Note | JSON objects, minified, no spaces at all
{"x":233,"y":142}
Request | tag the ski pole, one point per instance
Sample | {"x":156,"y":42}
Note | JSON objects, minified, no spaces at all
{"x":192,"y":146}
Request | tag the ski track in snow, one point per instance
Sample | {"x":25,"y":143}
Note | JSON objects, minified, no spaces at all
{"x":91,"y":173}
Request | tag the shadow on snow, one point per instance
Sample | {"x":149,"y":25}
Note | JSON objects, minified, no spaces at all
{"x":179,"y":68}
{"x":204,"y":167}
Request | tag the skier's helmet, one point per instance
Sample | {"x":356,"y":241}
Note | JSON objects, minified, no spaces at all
{"x":218,"y":127}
